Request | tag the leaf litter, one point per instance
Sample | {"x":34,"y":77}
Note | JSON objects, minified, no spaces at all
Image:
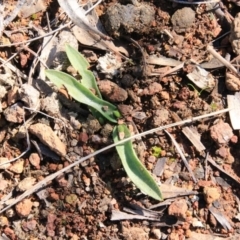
{"x":92,"y":178}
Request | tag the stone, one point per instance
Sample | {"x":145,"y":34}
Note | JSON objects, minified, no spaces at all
{"x":9,"y":233}
{"x":49,"y":138}
{"x":178,"y":208}
{"x":106,"y":130}
{"x":111,"y":91}
{"x":26,"y":184}
{"x":183,"y":19}
{"x":4,"y":160}
{"x":128,"y":18}
{"x":24,"y":208}
{"x":17,"y":167}
{"x":3,"y":184}
{"x":164,"y":95}
{"x":221,"y":132}
{"x":92,"y":125}
{"x":83,"y":137}
{"x":235,"y":34}
{"x":160,"y":117}
{"x":29,"y":225}
{"x":134,"y":233}
{"x":12,"y":95}
{"x":211,"y":194}
{"x":14,"y":113}
{"x":34,"y":159}
{"x":3,"y":221}
{"x":152,"y":89}
{"x":232,"y":82}
{"x":51,"y":105}
{"x":29,"y":95}
{"x":109,"y":64}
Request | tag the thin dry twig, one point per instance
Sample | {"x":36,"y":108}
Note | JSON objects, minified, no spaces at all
{"x":206,"y":166}
{"x":93,"y":6}
{"x":44,"y":182}
{"x":13,"y":69}
{"x":182,"y":155}
{"x":221,"y":59}
{"x":78,"y":16}
{"x":39,"y":37}
{"x":172,"y":70}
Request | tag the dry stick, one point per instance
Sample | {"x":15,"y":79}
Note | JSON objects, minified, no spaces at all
{"x":174,"y":69}
{"x":182,"y":156}
{"x":221,"y":59}
{"x":49,"y":178}
{"x":10,"y":58}
{"x":13,"y":68}
{"x":33,"y":66}
{"x":37,"y":38}
{"x":35,"y":55}
{"x":206,"y":166}
{"x":92,"y":7}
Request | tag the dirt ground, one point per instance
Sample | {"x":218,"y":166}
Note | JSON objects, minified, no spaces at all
{"x":160,"y":62}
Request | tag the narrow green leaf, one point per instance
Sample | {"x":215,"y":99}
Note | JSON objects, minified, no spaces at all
{"x":82,"y":94}
{"x":81,"y":65}
{"x":133,"y":166}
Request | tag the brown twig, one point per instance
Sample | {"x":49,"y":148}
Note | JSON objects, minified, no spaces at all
{"x":44,"y":182}
{"x":221,"y":59}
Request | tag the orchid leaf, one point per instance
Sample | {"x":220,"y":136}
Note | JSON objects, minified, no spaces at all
{"x":82,"y":94}
{"x":135,"y":170}
{"x":81,"y":65}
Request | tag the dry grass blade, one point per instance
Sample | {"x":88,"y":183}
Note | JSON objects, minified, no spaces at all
{"x":44,"y":182}
{"x":234,"y":100}
{"x":118,"y":216}
{"x":209,"y":159}
{"x":78,"y":16}
{"x":182,"y":155}
{"x":220,"y":217}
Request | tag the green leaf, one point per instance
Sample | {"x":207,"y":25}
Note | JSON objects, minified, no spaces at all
{"x":81,"y":65}
{"x":133,"y":166}
{"x":82,"y":94}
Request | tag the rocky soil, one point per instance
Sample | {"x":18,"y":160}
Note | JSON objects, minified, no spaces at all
{"x":152,"y":60}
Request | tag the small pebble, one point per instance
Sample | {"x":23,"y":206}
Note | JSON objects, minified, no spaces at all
{"x":211,"y":194}
{"x":74,"y":143}
{"x":3,"y":221}
{"x":83,"y":137}
{"x":178,"y":208}
{"x":24,"y":207}
{"x":34,"y":159}
{"x":78,"y":150}
{"x":17,"y":167}
{"x":26,"y":184}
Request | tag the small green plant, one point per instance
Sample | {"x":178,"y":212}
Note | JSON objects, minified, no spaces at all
{"x":213,"y":106}
{"x":156,"y":151}
{"x":195,"y":89}
{"x":82,"y":92}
